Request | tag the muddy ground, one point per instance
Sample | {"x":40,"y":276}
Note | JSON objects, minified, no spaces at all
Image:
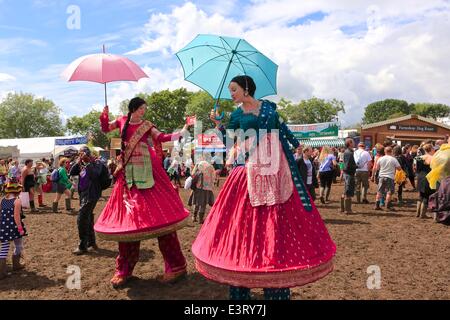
{"x":413,"y":256}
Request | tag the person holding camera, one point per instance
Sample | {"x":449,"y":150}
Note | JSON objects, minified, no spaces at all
{"x":90,"y":190}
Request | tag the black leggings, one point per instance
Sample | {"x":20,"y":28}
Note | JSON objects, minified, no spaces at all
{"x":424,"y":197}
{"x":411,"y":179}
{"x":326,"y":179}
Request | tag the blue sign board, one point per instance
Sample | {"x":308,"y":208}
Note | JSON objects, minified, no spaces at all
{"x":71,"y":141}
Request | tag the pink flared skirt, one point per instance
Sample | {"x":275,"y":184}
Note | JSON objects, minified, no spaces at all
{"x":278,"y":246}
{"x":138,"y":214}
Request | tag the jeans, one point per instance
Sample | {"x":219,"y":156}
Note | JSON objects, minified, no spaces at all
{"x":362,"y":179}
{"x":85,"y":221}
{"x":349,"y":189}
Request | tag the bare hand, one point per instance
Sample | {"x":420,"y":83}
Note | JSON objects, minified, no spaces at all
{"x":212,"y":116}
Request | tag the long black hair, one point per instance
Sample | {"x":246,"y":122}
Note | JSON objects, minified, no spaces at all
{"x":246,"y":83}
{"x":134,"y":104}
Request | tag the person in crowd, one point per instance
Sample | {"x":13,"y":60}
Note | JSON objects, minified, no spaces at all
{"x":3,"y":175}
{"x":349,"y":177}
{"x":387,"y":165}
{"x":337,"y":169}
{"x":174,"y":170}
{"x":112,"y":166}
{"x":28,"y":181}
{"x":90,"y":190}
{"x":189,"y":166}
{"x":326,"y":171}
{"x":12,"y":228}
{"x":167,"y":161}
{"x":203,"y":177}
{"x":298,"y":152}
{"x":409,"y":165}
{"x":247,"y":238}
{"x":422,"y":163}
{"x":14,"y":172}
{"x":363,"y":162}
{"x":143,"y":204}
{"x":64,"y":186}
{"x":217,"y":162}
{"x":402,"y":179}
{"x":340,"y":161}
{"x":439,"y":202}
{"x":379,"y":153}
{"x":41,"y":173}
{"x":308,"y":172}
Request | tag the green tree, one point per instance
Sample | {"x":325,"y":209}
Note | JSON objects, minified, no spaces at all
{"x":313,"y":110}
{"x":431,"y":110}
{"x":24,"y":116}
{"x":89,"y":124}
{"x":201,"y":103}
{"x":383,"y":110}
{"x":166,"y":109}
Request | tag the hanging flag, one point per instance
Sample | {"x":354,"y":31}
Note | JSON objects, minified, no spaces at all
{"x":190,"y":120}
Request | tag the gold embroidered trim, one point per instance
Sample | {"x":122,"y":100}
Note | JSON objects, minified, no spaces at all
{"x":278,"y":279}
{"x":139,"y":236}
{"x":138,"y":134}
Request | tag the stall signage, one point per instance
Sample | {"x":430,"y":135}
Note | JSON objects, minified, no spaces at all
{"x":415,"y":128}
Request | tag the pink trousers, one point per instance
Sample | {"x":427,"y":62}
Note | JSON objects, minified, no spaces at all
{"x":169,"y":245}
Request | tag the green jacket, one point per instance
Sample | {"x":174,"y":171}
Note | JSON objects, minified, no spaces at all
{"x":64,"y":178}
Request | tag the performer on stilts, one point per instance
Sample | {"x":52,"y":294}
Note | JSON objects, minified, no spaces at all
{"x":263,"y":231}
{"x":143,"y":203}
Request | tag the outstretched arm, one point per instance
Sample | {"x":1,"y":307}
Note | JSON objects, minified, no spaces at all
{"x":104,"y":121}
{"x":164,"y":137}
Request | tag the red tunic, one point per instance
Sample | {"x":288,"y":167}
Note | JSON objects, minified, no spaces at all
{"x":138,"y":214}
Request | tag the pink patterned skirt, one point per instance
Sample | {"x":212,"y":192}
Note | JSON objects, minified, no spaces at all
{"x":138,"y":214}
{"x":278,"y":246}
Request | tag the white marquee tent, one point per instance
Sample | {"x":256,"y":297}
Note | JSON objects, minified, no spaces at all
{"x":36,"y":148}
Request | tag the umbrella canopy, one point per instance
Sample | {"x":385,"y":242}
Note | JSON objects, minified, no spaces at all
{"x":211,"y":61}
{"x":103,"y":68}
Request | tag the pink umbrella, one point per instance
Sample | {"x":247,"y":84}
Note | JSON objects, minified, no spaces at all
{"x":103,"y":68}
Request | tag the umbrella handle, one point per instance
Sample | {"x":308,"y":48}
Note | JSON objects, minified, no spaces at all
{"x":216,"y":108}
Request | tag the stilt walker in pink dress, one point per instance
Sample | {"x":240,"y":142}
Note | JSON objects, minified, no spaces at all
{"x":264,"y":230}
{"x":143,"y":203}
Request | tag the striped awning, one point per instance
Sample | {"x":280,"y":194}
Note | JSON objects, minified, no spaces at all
{"x":317,"y":143}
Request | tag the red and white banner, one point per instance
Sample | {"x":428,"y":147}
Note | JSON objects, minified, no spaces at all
{"x":210,"y":143}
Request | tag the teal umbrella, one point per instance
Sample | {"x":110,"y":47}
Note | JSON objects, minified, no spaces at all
{"x":211,"y":61}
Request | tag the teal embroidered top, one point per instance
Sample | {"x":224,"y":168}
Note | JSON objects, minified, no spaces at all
{"x":268,"y":119}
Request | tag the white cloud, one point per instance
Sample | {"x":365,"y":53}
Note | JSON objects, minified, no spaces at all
{"x":400,"y":49}
{"x":6,"y":77}
{"x":167,"y":33}
{"x":10,"y":46}
{"x":396,"y":49}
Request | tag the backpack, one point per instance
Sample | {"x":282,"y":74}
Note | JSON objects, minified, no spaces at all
{"x":105,"y":179}
{"x":54,"y":177}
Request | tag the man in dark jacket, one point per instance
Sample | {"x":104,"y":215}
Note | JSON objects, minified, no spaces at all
{"x":90,"y":190}
{"x":308,"y":171}
{"x":349,"y":177}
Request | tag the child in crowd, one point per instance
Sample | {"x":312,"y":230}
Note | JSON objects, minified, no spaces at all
{"x":11,"y":227}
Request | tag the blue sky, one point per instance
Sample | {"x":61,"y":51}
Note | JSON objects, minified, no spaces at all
{"x":356,"y":51}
